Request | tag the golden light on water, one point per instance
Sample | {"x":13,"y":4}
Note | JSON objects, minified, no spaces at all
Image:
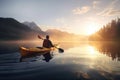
{"x":89,"y":51}
{"x":92,"y":52}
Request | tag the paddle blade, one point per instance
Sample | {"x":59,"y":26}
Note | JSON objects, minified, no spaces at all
{"x":60,"y":50}
{"x":40,"y":37}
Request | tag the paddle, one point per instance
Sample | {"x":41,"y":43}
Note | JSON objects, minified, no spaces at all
{"x":59,"y":49}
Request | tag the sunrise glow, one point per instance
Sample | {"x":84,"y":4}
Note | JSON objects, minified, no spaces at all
{"x":85,"y":17}
{"x":91,"y":28}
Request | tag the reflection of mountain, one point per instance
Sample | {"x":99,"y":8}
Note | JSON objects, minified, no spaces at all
{"x":111,"y":49}
{"x":10,"y":29}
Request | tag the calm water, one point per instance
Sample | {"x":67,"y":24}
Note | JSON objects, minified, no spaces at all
{"x":80,"y":61}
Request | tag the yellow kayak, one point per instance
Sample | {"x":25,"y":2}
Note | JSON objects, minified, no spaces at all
{"x":34,"y":51}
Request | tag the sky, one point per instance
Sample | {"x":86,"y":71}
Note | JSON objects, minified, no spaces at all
{"x":74,"y":16}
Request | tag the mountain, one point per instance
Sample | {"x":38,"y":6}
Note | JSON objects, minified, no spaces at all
{"x":11,"y":29}
{"x":58,"y":35}
{"x":33,"y":26}
{"x":55,"y":34}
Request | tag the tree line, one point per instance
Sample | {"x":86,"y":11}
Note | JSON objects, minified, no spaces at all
{"x":109,"y":32}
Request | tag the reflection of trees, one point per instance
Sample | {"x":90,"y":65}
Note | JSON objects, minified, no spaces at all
{"x":111,"y":49}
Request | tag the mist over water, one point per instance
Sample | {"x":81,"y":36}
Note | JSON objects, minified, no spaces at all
{"x":80,"y":61}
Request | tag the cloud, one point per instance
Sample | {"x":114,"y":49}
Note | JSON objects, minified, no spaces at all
{"x":81,"y":10}
{"x":95,"y":3}
{"x":110,"y":10}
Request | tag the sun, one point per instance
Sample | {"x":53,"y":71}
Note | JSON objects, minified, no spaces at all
{"x":91,"y":28}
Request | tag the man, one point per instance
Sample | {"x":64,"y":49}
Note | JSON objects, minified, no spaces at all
{"x":46,"y":42}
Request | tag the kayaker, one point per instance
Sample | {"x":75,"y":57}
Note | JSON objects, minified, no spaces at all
{"x":47,"y":43}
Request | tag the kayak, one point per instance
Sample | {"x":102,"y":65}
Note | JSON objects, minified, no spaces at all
{"x":34,"y":51}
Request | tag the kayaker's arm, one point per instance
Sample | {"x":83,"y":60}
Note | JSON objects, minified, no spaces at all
{"x":51,"y":44}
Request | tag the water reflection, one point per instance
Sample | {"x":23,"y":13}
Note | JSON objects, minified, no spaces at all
{"x":45,"y":57}
{"x":89,"y":64}
{"x":48,"y":56}
{"x":111,"y":49}
{"x":13,"y":46}
{"x":80,"y":61}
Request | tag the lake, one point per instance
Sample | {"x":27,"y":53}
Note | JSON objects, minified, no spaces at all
{"x":80,"y":61}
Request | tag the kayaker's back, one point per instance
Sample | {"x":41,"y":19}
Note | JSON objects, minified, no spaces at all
{"x":47,"y":43}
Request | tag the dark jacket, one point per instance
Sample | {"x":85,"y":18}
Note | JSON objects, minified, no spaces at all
{"x":47,"y":43}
